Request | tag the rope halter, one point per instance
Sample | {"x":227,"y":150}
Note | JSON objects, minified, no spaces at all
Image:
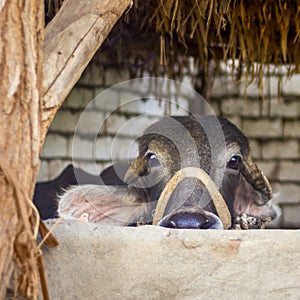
{"x":204,"y":178}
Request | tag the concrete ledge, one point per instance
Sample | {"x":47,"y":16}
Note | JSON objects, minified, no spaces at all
{"x":100,"y":262}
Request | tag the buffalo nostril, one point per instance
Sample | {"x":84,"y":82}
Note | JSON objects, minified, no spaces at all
{"x":188,"y":220}
{"x":171,"y":224}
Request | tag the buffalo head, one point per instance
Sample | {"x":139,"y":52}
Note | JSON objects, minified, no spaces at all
{"x":211,"y":144}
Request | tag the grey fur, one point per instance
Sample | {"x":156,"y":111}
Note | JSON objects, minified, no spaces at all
{"x":207,"y":142}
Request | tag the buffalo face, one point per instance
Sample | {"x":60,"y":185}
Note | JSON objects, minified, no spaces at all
{"x":211,"y":144}
{"x":224,"y":153}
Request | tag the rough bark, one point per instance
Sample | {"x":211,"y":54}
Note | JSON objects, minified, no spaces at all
{"x":21,"y":35}
{"x":71,"y":40}
{"x":28,"y":105}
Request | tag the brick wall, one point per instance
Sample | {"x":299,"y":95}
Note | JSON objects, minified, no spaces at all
{"x":273,"y":128}
{"x":114,"y":119}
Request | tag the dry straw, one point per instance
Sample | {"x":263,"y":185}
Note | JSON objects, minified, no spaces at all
{"x":248,"y":31}
{"x":252,"y":32}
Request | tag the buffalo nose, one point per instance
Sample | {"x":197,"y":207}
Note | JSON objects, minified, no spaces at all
{"x":189,"y":220}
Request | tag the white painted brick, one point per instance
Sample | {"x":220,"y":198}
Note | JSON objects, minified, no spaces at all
{"x":269,"y":84}
{"x":134,"y":126}
{"x":285,"y":108}
{"x":251,"y":108}
{"x":262,"y":128}
{"x":114,"y":123}
{"x":107,"y":100}
{"x":250,"y":89}
{"x":179,"y":107}
{"x":291,"y":129}
{"x":180,"y":94}
{"x":232,"y":106}
{"x":286,"y":193}
{"x":80,"y":148}
{"x":186,"y":90}
{"x":79,"y":98}
{"x":43,"y":174}
{"x":103,"y":149}
{"x":150,"y":106}
{"x":187,"y":80}
{"x":108,"y":148}
{"x":215,"y":107}
{"x":141,"y":123}
{"x":290,"y":215}
{"x":151,"y":86}
{"x":65,"y":121}
{"x":255,"y":148}
{"x":223,"y":86}
{"x":289,"y":171}
{"x":157,"y":101}
{"x":93,"y":75}
{"x":124,"y":149}
{"x":96,"y":76}
{"x":55,"y":146}
{"x":291,"y":85}
{"x":270,"y":168}
{"x":241,"y":107}
{"x":115,"y":76}
{"x":291,"y":109}
{"x":280,"y":149}
{"x":91,"y":122}
{"x":271,"y":107}
{"x":167,"y":88}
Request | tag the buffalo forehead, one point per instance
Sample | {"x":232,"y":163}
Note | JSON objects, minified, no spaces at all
{"x":186,"y":137}
{"x":205,"y":131}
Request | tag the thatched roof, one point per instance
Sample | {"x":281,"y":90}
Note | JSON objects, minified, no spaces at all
{"x":161,"y":36}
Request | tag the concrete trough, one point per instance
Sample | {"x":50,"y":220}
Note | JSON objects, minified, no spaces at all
{"x":101,"y":262}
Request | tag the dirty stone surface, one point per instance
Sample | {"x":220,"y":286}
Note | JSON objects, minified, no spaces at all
{"x":101,"y":262}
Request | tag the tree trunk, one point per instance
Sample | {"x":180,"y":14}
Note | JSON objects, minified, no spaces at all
{"x":28,"y":105}
{"x":21,"y":37}
{"x":71,"y":40}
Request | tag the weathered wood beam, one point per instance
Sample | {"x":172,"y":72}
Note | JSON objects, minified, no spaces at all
{"x":71,"y":40}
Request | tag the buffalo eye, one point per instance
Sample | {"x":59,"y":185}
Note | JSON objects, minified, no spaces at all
{"x":234,"y":162}
{"x":152,"y":160}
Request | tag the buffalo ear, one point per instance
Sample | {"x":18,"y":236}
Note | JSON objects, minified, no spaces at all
{"x":258,"y":180}
{"x":107,"y":205}
{"x":246,"y":199}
